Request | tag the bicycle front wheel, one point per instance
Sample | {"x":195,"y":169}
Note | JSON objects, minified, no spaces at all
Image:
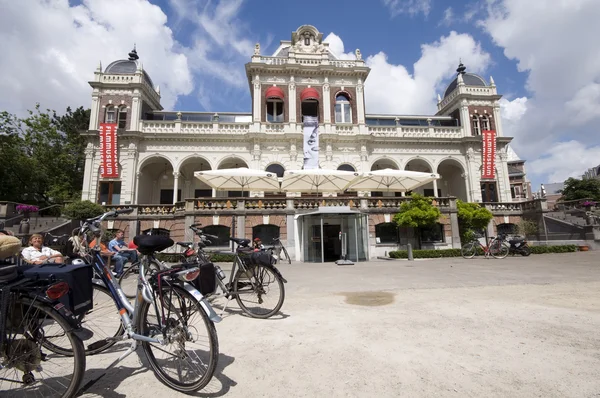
{"x":128,"y":281}
{"x":259,"y":291}
{"x":187,"y":360}
{"x":498,"y":249}
{"x":26,"y":368}
{"x":468,"y":250}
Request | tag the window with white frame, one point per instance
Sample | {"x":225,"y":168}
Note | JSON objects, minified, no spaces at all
{"x":111,"y":114}
{"x":343,"y":111}
{"x":274,"y":110}
{"x":485,"y":123}
{"x":122,"y":123}
{"x":475,"y":126}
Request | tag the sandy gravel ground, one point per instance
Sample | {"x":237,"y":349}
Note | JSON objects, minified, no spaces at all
{"x":519,"y":327}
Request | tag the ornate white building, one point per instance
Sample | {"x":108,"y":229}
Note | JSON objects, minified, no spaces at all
{"x":159,"y":151}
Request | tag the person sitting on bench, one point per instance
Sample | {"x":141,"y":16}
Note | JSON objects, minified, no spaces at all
{"x":38,"y":254}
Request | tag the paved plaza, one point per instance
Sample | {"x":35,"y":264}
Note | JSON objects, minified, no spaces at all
{"x":518,"y":327}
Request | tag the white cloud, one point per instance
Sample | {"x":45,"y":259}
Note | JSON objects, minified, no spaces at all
{"x":393,"y":89}
{"x":50,"y":50}
{"x":511,"y":113}
{"x":336,"y":46}
{"x":448,"y":17}
{"x":557,"y":47}
{"x":411,"y":7}
{"x":563,"y":160}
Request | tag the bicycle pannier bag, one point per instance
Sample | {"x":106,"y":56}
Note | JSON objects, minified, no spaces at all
{"x":206,"y":282}
{"x":79,"y":277}
{"x":261,"y":258}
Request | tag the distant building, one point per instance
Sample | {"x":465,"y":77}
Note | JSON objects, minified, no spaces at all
{"x":594,"y":172}
{"x":551,"y":192}
{"x":520,"y":187}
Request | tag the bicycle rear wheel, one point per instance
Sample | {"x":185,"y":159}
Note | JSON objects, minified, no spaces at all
{"x":188,"y":360}
{"x":259,"y":291}
{"x":25,"y":369}
{"x":285,"y":254}
{"x":468,"y":250}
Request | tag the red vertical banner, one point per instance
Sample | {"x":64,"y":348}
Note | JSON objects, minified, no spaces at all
{"x":489,"y":154}
{"x":109,"y":165}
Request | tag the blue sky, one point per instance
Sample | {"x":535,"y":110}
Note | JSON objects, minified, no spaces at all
{"x":545,"y":60}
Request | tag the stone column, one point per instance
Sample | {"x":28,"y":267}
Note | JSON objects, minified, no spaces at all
{"x":135,"y":196}
{"x":87,"y":174}
{"x":503,"y":179}
{"x":175,"y":185}
{"x":465,"y":118}
{"x":257,"y":100}
{"x":497,"y":120}
{"x":326,"y":104}
{"x":435,"y":189}
{"x":292,"y":102}
{"x":454,"y":224}
{"x":360,"y":102}
{"x":128,"y":183}
{"x":95,"y":110}
{"x":136,"y":110}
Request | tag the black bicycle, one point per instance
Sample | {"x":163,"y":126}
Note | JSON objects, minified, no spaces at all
{"x":41,"y":352}
{"x":254,"y":281}
{"x":278,"y":251}
{"x":169,"y":317}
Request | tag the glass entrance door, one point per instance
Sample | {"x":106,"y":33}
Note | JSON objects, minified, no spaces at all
{"x":323,"y":234}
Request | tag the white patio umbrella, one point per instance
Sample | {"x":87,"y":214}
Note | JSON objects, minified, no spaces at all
{"x":318,"y":180}
{"x":392,"y":180}
{"x":239,"y":179}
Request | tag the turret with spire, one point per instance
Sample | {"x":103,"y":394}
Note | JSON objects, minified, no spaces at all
{"x":133,"y":54}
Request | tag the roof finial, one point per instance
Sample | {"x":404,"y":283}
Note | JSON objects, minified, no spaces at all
{"x":461,"y":68}
{"x":492,"y":82}
{"x":99,"y":69}
{"x":133,"y":54}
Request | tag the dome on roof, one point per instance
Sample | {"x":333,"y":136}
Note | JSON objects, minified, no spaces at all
{"x":470,"y":79}
{"x":127,"y":66}
{"x":122,"y":66}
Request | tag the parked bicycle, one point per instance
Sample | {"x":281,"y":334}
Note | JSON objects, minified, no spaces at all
{"x":254,"y":281}
{"x":171,"y":319}
{"x":494,"y":247}
{"x":278,"y":251}
{"x":36,"y":328}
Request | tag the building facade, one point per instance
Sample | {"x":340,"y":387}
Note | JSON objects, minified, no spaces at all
{"x":157,"y":152}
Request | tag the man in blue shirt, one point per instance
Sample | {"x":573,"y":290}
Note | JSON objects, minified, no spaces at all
{"x":119,"y":246}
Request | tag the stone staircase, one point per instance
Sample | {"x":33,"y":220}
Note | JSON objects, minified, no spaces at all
{"x":571,"y":225}
{"x":42,"y":225}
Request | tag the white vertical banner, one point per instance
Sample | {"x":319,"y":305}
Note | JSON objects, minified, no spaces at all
{"x":311,"y":142}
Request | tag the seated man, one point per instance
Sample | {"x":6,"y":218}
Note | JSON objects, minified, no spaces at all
{"x":111,"y":256}
{"x":37,"y":253}
{"x":121,"y":248}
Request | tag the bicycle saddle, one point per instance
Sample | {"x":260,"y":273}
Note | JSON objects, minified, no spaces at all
{"x":241,"y":241}
{"x":184,"y":244}
{"x":148,"y":244}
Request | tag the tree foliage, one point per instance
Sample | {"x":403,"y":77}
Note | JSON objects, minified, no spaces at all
{"x":82,"y":210}
{"x":581,"y":189}
{"x":42,"y":156}
{"x":472,"y":217}
{"x":418,"y":212}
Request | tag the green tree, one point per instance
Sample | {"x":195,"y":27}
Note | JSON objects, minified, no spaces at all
{"x":419,"y":212}
{"x":83,"y":209}
{"x":42,"y":156}
{"x":471,"y":217}
{"x":581,"y":189}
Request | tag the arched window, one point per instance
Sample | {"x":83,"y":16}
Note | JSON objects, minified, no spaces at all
{"x":276,"y":169}
{"x":485,"y":123}
{"x":221,"y":231}
{"x":386,"y":232}
{"x":343,"y":110}
{"x":111,"y":114}
{"x":266,"y":233}
{"x":475,"y":126}
{"x":346,"y":167}
{"x":122,"y":121}
{"x":274,"y":110}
